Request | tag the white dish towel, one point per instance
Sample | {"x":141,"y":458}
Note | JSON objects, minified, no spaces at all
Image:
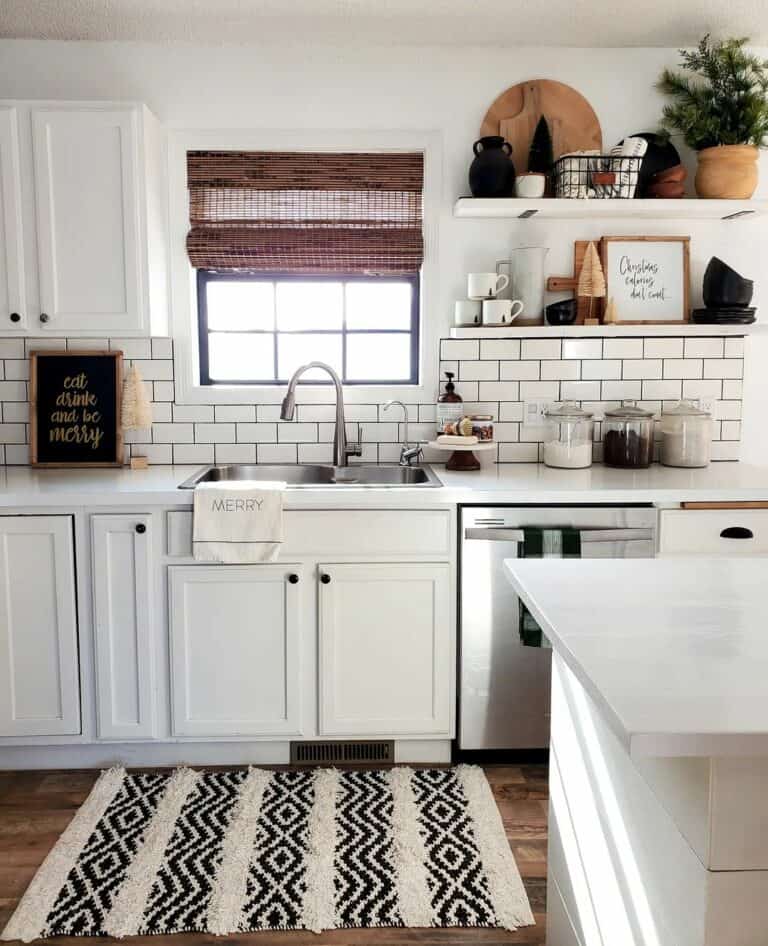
{"x":237,"y":523}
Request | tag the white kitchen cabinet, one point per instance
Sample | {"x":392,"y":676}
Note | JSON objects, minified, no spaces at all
{"x":92,"y":218}
{"x":735,"y":532}
{"x":235,"y":663}
{"x":386,"y":656}
{"x":124,"y":609}
{"x":39,"y":684}
{"x":82,"y":184}
{"x":12,"y":289}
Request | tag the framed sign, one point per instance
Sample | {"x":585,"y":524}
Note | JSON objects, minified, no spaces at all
{"x":74,"y":407}
{"x":647,"y":278}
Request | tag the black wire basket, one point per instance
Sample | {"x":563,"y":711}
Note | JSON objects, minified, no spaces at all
{"x":601,"y":176}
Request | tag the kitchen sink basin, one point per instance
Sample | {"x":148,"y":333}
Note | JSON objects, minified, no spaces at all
{"x":308,"y":475}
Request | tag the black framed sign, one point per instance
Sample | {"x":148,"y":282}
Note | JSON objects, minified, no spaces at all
{"x":74,"y":405}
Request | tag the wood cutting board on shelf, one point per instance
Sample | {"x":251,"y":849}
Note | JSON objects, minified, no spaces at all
{"x":572,"y":122}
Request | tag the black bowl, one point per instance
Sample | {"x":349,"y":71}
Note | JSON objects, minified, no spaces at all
{"x":562,"y":313}
{"x":724,"y":287}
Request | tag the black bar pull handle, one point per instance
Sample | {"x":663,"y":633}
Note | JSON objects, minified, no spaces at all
{"x":737,"y":532}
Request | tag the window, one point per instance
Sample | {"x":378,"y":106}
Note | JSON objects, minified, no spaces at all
{"x":257,"y":329}
{"x":303,"y":257}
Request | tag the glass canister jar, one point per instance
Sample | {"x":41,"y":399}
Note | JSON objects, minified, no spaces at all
{"x":686,"y":435}
{"x":628,"y":437}
{"x":568,"y":437}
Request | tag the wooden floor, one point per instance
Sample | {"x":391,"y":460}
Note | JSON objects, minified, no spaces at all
{"x":35,"y":807}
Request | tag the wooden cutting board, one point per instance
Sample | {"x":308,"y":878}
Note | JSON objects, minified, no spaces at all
{"x":516,"y":112}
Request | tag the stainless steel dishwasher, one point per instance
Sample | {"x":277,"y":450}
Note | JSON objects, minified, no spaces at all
{"x":504,"y":685}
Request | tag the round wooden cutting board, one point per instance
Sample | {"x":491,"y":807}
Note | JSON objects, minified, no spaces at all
{"x":516,"y":112}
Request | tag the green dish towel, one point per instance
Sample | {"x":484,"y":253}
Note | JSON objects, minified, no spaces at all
{"x":544,"y":543}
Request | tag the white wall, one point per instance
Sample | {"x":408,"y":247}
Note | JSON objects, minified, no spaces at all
{"x":444,"y":89}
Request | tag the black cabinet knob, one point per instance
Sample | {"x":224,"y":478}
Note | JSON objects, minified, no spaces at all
{"x":15,"y":317}
{"x":44,"y":317}
{"x":293,"y":579}
{"x":141,"y":528}
{"x":325,"y":579}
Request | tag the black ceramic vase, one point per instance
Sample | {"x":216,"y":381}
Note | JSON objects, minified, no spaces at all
{"x":492,"y":173}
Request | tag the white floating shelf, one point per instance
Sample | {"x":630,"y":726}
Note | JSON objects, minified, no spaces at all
{"x":558,"y":208}
{"x":608,"y":331}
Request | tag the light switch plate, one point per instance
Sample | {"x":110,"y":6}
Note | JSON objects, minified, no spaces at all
{"x":533,"y":412}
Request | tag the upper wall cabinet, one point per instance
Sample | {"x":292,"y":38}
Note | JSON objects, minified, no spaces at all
{"x":12,"y":290}
{"x":91,"y":193}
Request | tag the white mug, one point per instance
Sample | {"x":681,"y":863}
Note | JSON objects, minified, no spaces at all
{"x":486,"y":285}
{"x":501,"y":311}
{"x":468,"y":312}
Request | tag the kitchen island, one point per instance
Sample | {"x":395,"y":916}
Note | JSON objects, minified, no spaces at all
{"x":659,"y":759}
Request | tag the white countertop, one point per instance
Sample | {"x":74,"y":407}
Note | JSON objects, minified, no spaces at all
{"x":515,"y":483}
{"x":675,"y":652}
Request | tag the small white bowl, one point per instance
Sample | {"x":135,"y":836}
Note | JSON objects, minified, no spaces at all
{"x":530,"y":184}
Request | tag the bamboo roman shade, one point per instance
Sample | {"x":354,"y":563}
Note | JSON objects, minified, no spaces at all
{"x":302,"y":213}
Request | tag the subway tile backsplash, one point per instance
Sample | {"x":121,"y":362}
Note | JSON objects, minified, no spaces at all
{"x":494,"y":376}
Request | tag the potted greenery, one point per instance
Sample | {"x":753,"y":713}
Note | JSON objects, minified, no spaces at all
{"x":722,"y":112}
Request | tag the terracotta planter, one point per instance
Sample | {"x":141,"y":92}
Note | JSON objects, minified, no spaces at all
{"x":727,"y":171}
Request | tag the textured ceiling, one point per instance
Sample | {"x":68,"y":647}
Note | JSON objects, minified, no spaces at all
{"x":412,"y":22}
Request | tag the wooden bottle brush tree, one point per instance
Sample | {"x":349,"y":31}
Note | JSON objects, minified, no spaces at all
{"x":587,"y":282}
{"x":591,"y":284}
{"x":136,"y":412}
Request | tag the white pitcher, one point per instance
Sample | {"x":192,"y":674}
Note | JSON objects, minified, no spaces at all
{"x":527,"y":280}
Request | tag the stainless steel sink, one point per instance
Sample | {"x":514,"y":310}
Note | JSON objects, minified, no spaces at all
{"x":317,"y":475}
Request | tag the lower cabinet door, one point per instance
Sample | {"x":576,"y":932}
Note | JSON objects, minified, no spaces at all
{"x":235,"y":666}
{"x":123,"y":616}
{"x":39,"y":681}
{"x":386,"y":655}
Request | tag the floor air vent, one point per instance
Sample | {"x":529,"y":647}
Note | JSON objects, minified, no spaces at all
{"x":337,"y":753}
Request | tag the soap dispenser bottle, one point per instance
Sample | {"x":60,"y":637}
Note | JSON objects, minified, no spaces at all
{"x":450,"y":407}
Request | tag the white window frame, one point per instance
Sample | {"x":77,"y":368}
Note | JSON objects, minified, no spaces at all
{"x":184,"y":315}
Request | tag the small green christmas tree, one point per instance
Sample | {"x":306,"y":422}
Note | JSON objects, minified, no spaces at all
{"x":540,"y":156}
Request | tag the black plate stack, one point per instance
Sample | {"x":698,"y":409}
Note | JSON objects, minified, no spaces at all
{"x":727,"y":297}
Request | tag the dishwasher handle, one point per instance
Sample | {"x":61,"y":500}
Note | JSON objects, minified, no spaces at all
{"x":495,"y":534}
{"x":491,"y":534}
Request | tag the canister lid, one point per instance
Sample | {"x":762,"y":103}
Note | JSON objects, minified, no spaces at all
{"x":685,"y":409}
{"x":629,"y":411}
{"x":568,"y":410}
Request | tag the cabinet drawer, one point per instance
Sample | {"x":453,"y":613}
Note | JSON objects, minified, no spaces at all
{"x":726,"y":532}
{"x":323,"y":532}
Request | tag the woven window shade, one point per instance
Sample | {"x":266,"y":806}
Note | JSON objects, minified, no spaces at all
{"x":306,"y":213}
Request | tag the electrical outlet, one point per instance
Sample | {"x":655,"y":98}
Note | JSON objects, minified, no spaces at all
{"x":534,"y":411}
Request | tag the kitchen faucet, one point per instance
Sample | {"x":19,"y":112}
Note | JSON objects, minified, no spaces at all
{"x":341,"y":449}
{"x":408,"y":453}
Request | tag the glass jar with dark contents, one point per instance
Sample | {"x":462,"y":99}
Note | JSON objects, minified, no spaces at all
{"x":628,"y":437}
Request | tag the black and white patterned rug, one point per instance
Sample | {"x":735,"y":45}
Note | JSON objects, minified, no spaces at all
{"x":225,"y":852}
